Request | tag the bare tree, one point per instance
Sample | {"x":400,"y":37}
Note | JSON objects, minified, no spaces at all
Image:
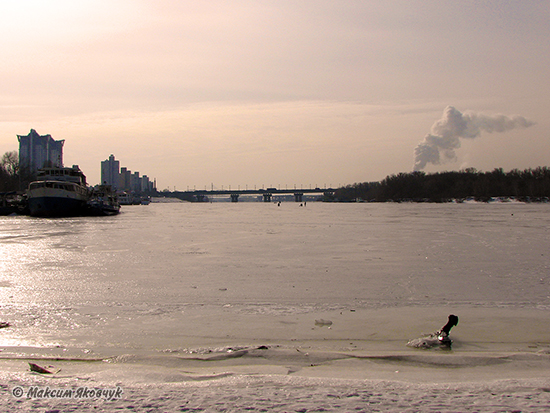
{"x":10,"y":163}
{"x":9,"y":172}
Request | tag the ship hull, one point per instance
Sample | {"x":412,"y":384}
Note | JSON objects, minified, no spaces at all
{"x":57,"y":199}
{"x":102,"y":210}
{"x":52,"y":206}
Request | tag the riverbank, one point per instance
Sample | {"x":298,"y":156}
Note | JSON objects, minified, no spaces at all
{"x":404,"y":385}
{"x":500,"y":366}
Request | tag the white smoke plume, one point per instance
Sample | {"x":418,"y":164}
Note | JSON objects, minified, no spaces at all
{"x":439,"y":145}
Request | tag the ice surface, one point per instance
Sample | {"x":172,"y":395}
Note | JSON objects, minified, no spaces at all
{"x":279,"y":298}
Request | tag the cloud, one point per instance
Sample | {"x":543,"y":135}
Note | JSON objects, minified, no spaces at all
{"x":439,"y":146}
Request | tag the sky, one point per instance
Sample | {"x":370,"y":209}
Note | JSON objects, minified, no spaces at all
{"x":279,"y":93}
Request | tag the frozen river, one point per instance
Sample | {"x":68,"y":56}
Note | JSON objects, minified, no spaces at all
{"x":169,"y":285}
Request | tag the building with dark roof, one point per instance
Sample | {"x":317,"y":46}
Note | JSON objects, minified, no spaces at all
{"x":39,"y":151}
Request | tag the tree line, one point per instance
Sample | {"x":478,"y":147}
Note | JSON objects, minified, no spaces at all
{"x":527,"y":185}
{"x":13,"y":176}
{"x":9,"y":172}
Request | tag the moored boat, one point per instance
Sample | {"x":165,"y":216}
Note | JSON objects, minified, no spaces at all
{"x":58,"y":192}
{"x":103,"y":201}
{"x":11,"y":203}
{"x":125,"y":198}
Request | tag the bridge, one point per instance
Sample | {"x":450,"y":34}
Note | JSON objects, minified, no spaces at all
{"x":202,"y":195}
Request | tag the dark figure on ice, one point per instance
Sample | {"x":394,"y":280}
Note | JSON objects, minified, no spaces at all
{"x":439,"y":338}
{"x":443,"y":334}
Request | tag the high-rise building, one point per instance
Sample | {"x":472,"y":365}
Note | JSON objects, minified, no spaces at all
{"x":39,"y":151}
{"x":124,"y":182}
{"x":110,"y":174}
{"x":146,"y":186}
{"x":135,"y":184}
{"x":122,"y":179}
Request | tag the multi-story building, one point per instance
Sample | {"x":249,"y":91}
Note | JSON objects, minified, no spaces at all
{"x":124,"y":179}
{"x":145,"y":184}
{"x":110,"y":174}
{"x":39,"y":151}
{"x":135,"y":185}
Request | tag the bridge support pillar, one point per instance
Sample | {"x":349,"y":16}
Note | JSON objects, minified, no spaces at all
{"x":234,"y":197}
{"x":200,"y":197}
{"x":267,"y":197}
{"x":298,"y":196}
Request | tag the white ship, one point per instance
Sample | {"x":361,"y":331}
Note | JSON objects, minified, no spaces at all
{"x":58,"y":192}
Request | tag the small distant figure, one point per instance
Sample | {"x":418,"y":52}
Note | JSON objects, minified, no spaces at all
{"x":443,"y":334}
{"x":439,"y":338}
{"x":278,"y":204}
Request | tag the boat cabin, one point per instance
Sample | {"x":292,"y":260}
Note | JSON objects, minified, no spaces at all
{"x":73,"y":174}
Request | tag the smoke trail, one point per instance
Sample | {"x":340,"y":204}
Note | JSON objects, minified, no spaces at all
{"x":439,"y":145}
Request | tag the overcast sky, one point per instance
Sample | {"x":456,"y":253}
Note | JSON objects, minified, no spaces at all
{"x":269,"y":93}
